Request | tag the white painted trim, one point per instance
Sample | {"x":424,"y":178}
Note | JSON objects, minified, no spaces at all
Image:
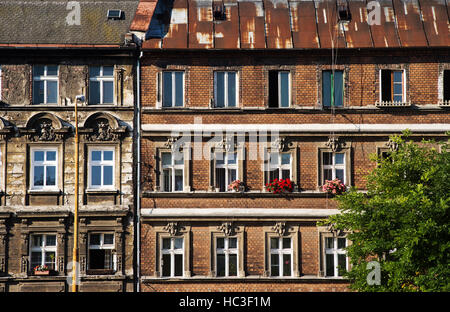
{"x":236,"y":212}
{"x":307,"y":128}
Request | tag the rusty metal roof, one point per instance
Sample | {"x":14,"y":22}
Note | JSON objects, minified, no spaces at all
{"x":292,"y":24}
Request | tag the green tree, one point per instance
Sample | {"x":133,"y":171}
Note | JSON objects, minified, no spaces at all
{"x":402,"y":221}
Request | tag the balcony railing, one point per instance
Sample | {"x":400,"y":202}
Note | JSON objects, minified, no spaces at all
{"x":444,"y":103}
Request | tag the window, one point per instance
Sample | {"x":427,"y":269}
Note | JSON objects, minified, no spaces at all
{"x":225,"y":89}
{"x":101,"y":168}
{"x":101,"y":84}
{"x":43,"y":168}
{"x":333,"y":167}
{"x":279,"y":89}
{"x":333,"y":88}
{"x":278,"y":166}
{"x":446,"y":87}
{"x":172,"y":253}
{"x":392,"y":87}
{"x":227,"y":256}
{"x":335,"y":256}
{"x":226,"y":169}
{"x":173,"y":89}
{"x":43,"y":250}
{"x":281,"y":256}
{"x":45,"y":84}
{"x":172,"y":171}
{"x":101,"y":247}
{"x":0,"y":82}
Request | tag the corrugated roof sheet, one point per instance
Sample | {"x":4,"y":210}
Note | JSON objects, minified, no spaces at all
{"x":298,"y":24}
{"x":34,"y":22}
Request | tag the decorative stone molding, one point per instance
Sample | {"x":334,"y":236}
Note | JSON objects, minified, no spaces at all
{"x":102,"y":128}
{"x":281,"y":144}
{"x":226,"y":228}
{"x":172,"y":228}
{"x":227,"y":144}
{"x":44,"y":127}
{"x":61,"y":264}
{"x":334,"y":144}
{"x":392,"y":145}
{"x":24,"y":264}
{"x":279,"y":228}
{"x":171,"y":143}
{"x":2,"y":265}
{"x":336,"y":232}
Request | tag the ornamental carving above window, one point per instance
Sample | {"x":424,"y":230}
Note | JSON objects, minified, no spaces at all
{"x":102,"y":128}
{"x":45,"y":128}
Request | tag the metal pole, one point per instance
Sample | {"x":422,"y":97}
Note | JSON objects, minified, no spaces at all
{"x":75,"y":226}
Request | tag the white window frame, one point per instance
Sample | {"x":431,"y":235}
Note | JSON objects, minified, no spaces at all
{"x":44,"y":163}
{"x":403,"y":83}
{"x":173,"y":88}
{"x":279,"y":87}
{"x":280,"y":167}
{"x":227,"y":251}
{"x":226,"y":72}
{"x":44,"y":248}
{"x":102,"y":79}
{"x":226,"y":166}
{"x":102,"y":163}
{"x":280,"y":251}
{"x":172,"y":252}
{"x":335,"y":251}
{"x":103,"y":246}
{"x":46,"y":78}
{"x":333,"y":166}
{"x":172,"y":167}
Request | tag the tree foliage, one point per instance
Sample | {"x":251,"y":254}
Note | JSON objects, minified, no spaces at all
{"x":402,"y":221}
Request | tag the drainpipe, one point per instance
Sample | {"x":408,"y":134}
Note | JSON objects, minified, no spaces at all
{"x":138,"y":174}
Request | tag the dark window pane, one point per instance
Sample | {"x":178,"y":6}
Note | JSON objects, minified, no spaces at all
{"x":338,"y":89}
{"x":386,"y":89}
{"x":339,"y":158}
{"x":38,"y":70}
{"x":108,"y":239}
{"x":37,"y":240}
{"x":108,"y":92}
{"x":327,"y":175}
{"x":178,"y":243}
{"x":108,"y":155}
{"x":286,"y":243}
{"x":52,"y":92}
{"x":108,"y":71}
{"x":179,"y":89}
{"x":340,"y":174}
{"x":94,"y":71}
{"x":220,"y":265}
{"x":166,"y":265}
{"x":39,"y":156}
{"x":232,"y":261}
{"x":52,"y":70}
{"x":232,"y":242}
{"x":178,"y":180}
{"x":96,"y":175}
{"x":166,"y":243}
{"x":342,"y":267}
{"x":178,"y":265}
{"x":220,"y":179}
{"x":167,"y":180}
{"x":50,"y":240}
{"x":231,"y":89}
{"x":107,"y":175}
{"x":51,"y":155}
{"x":50,"y":259}
{"x":284,"y":89}
{"x":273,"y":243}
{"x":167,"y":89}
{"x":38,"y":92}
{"x":274,"y":174}
{"x":446,"y":85}
{"x":51,"y":176}
{"x":326,"y":88}
{"x":329,"y":242}
{"x":285,"y":159}
{"x":36,"y":259}
{"x":231,"y":175}
{"x":166,"y":159}
{"x":273,"y":89}
{"x":220,"y":89}
{"x":285,"y":174}
{"x":96,"y":155}
{"x":327,"y":158}
{"x":287,"y":265}
{"x":38,"y":176}
{"x":220,"y":243}
{"x":398,"y":76}
{"x":94,"y":92}
{"x":341,"y":243}
{"x":94,"y":239}
{"x":329,"y":265}
{"x":97,"y":259}
{"x":274,"y":265}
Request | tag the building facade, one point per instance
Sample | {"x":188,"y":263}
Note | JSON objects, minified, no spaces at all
{"x":256,"y":91}
{"x":77,"y":55}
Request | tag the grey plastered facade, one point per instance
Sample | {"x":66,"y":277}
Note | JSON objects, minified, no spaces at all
{"x":26,"y":126}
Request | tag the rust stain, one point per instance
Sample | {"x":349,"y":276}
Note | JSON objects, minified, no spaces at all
{"x":384,"y":35}
{"x":303,"y":20}
{"x":357,"y":32}
{"x":226,"y":35}
{"x":200,"y":24}
{"x":409,"y":23}
{"x":251,"y":16}
{"x":176,"y":37}
{"x":435,"y":22}
{"x":328,"y":26}
{"x":278,"y":28}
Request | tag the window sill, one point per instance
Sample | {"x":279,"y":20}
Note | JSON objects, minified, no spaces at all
{"x":246,"y":279}
{"x":44,"y":192}
{"x":101,"y":191}
{"x":249,"y":194}
{"x":100,"y":272}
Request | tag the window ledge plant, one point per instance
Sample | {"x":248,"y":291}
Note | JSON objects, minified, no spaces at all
{"x":279,"y":186}
{"x":334,"y":187}
{"x":236,"y":186}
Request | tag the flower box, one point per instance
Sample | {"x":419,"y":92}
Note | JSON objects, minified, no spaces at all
{"x":279,"y":186}
{"x":334,"y":187}
{"x":236,"y":186}
{"x":42,"y":272}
